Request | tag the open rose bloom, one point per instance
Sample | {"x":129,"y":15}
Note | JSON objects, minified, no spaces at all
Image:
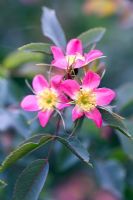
{"x":87,"y":97}
{"x":74,"y":57}
{"x":62,"y":92}
{"x":47,"y":97}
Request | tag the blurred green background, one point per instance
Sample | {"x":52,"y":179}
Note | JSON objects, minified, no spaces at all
{"x":112,"y":154}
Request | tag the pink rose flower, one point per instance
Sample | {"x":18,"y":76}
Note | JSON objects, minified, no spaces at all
{"x":47,"y":97}
{"x":74,"y":55}
{"x":87,"y":97}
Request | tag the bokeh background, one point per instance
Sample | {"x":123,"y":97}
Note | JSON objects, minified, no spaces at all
{"x":112,"y":154}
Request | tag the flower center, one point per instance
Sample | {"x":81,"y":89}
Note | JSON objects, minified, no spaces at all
{"x":86,"y":100}
{"x":71,"y":59}
{"x":47,"y":99}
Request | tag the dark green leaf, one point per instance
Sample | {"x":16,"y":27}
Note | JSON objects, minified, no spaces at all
{"x":2,"y":184}
{"x":127,"y":109}
{"x":125,"y":99}
{"x":67,"y":162}
{"x":37,"y":47}
{"x":110,"y":175}
{"x":127,"y":144}
{"x":51,"y":27}
{"x":27,"y":147}
{"x":74,"y":145}
{"x":18,"y":58}
{"x":31,"y":181}
{"x":125,"y":94}
{"x":115,"y":121}
{"x":92,"y":36}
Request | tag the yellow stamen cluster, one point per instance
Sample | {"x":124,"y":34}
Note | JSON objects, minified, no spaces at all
{"x":73,"y":58}
{"x":86,"y":100}
{"x":47,"y":99}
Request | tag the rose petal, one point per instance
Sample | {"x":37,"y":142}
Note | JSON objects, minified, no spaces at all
{"x":76,"y":113}
{"x":57,"y":53}
{"x":104,"y":96}
{"x":29,"y":103}
{"x":91,"y":80}
{"x":44,"y":117}
{"x":39,"y":83}
{"x":70,"y":87}
{"x":56,"y":81}
{"x":74,"y":46}
{"x":79,"y":63}
{"x":96,"y":116}
{"x":60,"y":63}
{"x":93,"y":55}
{"x":63,"y":102}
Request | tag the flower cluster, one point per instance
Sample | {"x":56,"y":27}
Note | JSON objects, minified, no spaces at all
{"x":67,"y":90}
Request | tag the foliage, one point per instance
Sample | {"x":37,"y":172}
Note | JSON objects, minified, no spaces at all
{"x":34,"y":176}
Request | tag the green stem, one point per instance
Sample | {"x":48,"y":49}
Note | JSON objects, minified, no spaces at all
{"x":77,"y":125}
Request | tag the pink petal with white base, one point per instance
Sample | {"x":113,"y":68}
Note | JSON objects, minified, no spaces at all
{"x":76,"y":113}
{"x":56,"y":81}
{"x":91,"y":80}
{"x":63,"y":102}
{"x":57,"y":52}
{"x":104,"y":96}
{"x":96,"y":116}
{"x":39,"y":83}
{"x":74,"y":46}
{"x":29,"y":103}
{"x":44,"y":117}
{"x":60,"y":63}
{"x":93,"y":55}
{"x":79,"y":63}
{"x":70,"y":87}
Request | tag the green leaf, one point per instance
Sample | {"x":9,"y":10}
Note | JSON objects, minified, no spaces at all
{"x":126,"y":143}
{"x":2,"y":184}
{"x":110,"y":175}
{"x":3,"y":71}
{"x":18,"y":58}
{"x":115,"y":121}
{"x":74,"y":145}
{"x":37,"y":47}
{"x":31,"y":181}
{"x":29,"y":71}
{"x":125,"y":94}
{"x":127,"y":109}
{"x":51,"y":27}
{"x":125,"y":99}
{"x":25,"y":148}
{"x":92,"y":36}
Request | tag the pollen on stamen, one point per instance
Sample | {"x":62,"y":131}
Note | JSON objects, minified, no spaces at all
{"x":86,"y":100}
{"x":47,"y":99}
{"x":73,"y":58}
